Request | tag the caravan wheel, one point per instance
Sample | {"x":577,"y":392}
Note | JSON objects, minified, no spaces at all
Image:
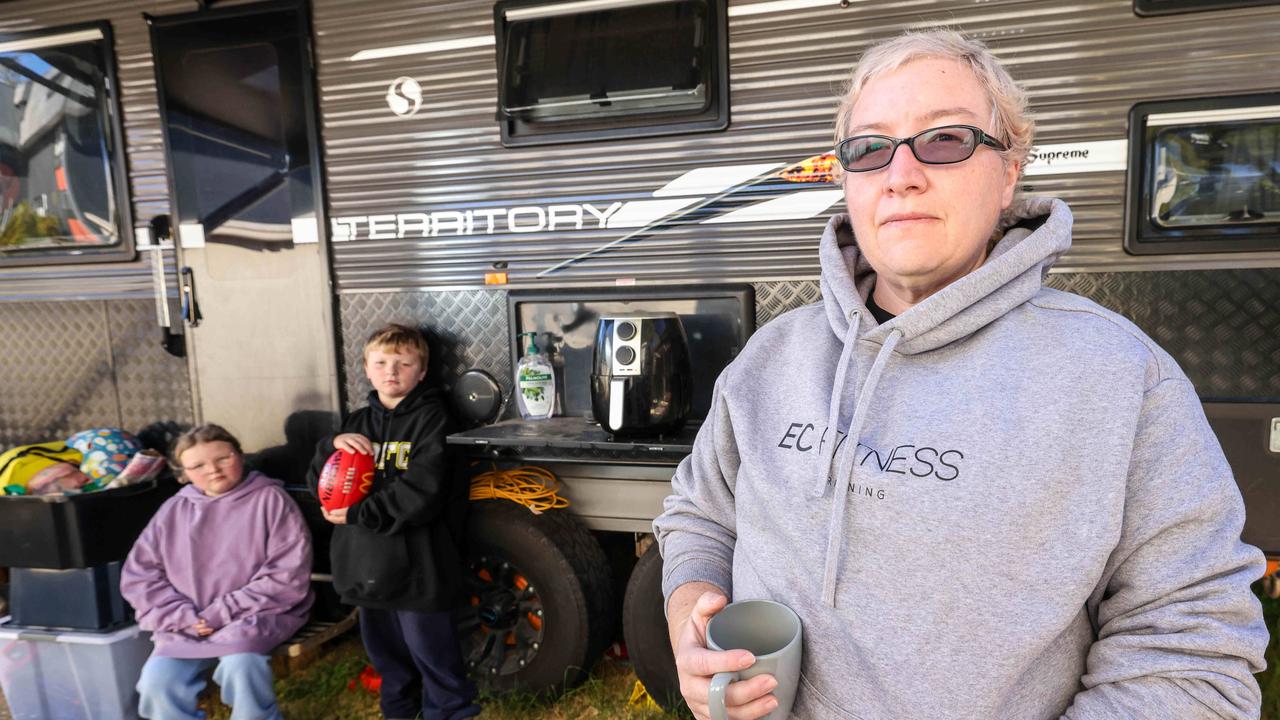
{"x":644,"y":624}
{"x":540,"y":604}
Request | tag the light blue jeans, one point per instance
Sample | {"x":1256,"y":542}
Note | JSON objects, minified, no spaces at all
{"x":169,"y":687}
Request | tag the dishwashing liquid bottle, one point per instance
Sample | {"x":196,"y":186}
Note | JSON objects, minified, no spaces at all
{"x":535,"y":383}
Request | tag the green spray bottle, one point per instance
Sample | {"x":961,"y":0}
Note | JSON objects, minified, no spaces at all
{"x":535,"y":382}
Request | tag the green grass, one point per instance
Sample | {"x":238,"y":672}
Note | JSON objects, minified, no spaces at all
{"x":604,"y":695}
{"x":322,"y":690}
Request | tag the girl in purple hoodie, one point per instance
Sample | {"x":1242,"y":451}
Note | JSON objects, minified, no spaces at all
{"x":220,"y":575}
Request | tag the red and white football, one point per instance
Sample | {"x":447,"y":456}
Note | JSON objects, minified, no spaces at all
{"x":345,"y":480}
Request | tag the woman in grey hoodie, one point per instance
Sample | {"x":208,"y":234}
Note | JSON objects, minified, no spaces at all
{"x":985,"y":498}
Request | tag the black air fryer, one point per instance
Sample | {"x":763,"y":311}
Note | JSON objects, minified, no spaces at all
{"x":641,"y":382}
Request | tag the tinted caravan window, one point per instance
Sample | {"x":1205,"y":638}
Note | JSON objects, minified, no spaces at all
{"x":573,"y":71}
{"x":1217,"y":174}
{"x":232,"y":91}
{"x":60,"y":176}
{"x":1209,"y":175}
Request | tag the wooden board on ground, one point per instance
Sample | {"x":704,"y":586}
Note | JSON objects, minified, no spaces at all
{"x":303,"y":648}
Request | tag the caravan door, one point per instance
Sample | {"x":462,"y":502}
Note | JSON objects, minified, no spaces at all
{"x":238,"y":109}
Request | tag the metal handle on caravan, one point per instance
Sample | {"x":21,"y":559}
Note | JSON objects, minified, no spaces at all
{"x":160,"y":286}
{"x":190,"y":308}
{"x":162,"y":254}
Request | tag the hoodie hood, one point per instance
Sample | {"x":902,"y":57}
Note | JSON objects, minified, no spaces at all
{"x":253,"y":482}
{"x":1037,"y":231}
{"x":386,"y":425}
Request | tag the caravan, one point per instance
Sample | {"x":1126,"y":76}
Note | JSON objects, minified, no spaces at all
{"x":208,"y":205}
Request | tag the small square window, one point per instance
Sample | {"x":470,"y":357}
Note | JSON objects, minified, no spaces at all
{"x":574,"y":71}
{"x":1205,"y":175}
{"x":62,"y":183}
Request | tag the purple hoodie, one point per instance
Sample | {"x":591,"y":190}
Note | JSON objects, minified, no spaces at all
{"x":241,"y":561}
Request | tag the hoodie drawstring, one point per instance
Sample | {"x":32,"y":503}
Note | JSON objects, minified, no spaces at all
{"x":828,"y":449}
{"x":839,"y":500}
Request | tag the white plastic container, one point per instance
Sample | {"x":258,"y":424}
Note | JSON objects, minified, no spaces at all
{"x":55,"y":675}
{"x":535,"y":383}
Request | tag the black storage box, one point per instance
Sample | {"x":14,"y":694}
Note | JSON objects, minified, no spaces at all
{"x":77,"y":531}
{"x":76,"y":599}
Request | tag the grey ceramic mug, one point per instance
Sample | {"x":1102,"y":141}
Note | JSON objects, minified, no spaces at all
{"x":770,"y":631}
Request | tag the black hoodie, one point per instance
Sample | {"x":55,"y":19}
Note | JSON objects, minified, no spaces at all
{"x":401,"y":548}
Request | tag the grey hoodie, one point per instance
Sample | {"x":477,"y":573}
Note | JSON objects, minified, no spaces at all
{"x":1033,"y":520}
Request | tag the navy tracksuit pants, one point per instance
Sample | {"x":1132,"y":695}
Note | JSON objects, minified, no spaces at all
{"x":418,"y":656}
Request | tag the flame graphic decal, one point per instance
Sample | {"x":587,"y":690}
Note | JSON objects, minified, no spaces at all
{"x":817,"y":169}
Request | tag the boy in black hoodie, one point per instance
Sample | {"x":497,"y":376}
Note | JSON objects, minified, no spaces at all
{"x":395,"y":554}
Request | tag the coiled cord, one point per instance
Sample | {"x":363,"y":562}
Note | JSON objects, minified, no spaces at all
{"x":534,"y":487}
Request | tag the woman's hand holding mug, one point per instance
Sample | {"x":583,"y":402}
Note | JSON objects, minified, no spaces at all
{"x":690,"y":611}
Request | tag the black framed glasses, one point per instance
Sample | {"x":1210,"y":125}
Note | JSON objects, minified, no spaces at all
{"x":935,"y":146}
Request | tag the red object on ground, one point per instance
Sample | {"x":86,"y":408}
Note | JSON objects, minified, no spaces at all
{"x":369,"y":679}
{"x":345,"y":480}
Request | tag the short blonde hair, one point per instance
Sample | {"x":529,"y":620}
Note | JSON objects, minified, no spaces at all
{"x":397,"y":338}
{"x":1011,"y":123}
{"x":207,"y":433}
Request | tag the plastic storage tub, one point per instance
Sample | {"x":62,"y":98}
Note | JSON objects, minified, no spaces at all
{"x":77,"y":531}
{"x":72,"y":675}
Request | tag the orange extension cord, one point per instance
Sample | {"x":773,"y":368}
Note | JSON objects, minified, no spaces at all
{"x":534,"y":487}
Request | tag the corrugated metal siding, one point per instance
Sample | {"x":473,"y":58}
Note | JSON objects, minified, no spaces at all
{"x":144,"y":145}
{"x":81,"y":282}
{"x":1084,"y":63}
{"x":68,"y":366}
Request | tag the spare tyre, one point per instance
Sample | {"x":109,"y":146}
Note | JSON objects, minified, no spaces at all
{"x":644,"y":625}
{"x":539,"y":603}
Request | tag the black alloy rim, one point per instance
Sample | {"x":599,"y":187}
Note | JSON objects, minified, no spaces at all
{"x":503,"y":624}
